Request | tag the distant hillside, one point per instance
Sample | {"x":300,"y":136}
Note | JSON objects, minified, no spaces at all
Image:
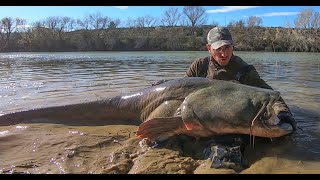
{"x":161,"y":39}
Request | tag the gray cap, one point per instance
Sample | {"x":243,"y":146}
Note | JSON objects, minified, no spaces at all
{"x":219,"y":36}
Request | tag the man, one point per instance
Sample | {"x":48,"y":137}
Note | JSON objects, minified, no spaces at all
{"x":224,"y":65}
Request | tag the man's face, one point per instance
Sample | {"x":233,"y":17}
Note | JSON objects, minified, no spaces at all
{"x":222,"y":55}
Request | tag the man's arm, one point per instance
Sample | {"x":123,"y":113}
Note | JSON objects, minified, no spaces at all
{"x":252,"y":78}
{"x":281,"y":109}
{"x":194,"y":69}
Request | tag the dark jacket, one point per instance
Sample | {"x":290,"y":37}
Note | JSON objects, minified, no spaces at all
{"x":237,"y":70}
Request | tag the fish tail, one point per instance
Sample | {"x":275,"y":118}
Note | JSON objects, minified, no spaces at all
{"x":70,"y":113}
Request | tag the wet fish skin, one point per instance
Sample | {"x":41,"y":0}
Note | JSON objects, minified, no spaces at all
{"x":193,"y":106}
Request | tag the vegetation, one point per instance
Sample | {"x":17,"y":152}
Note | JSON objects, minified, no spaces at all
{"x":176,"y":31}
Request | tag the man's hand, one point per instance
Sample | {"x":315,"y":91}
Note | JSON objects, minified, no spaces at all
{"x":286,"y":117}
{"x":159,"y":82}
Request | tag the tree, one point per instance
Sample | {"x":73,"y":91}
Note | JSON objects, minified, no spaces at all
{"x":196,"y":15}
{"x":62,"y":25}
{"x":84,"y":24}
{"x":150,"y":21}
{"x":171,"y":17}
{"x":114,"y":23}
{"x":254,"y":21}
{"x":7,"y":26}
{"x":130,"y":23}
{"x":238,"y":24}
{"x":98,"y":21}
{"x":145,"y":21}
{"x":51,"y":22}
{"x":58,"y":26}
{"x":304,"y":19}
{"x":66,"y":24}
{"x":27,"y":35}
{"x":315,"y":21}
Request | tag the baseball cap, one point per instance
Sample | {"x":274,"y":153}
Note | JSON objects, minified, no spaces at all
{"x":219,"y":36}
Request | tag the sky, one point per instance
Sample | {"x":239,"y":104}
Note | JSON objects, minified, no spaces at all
{"x":272,"y":16}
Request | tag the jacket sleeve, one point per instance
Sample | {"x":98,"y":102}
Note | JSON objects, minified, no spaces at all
{"x":194,"y":69}
{"x":253,"y":79}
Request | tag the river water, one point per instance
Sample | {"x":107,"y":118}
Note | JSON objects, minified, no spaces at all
{"x":34,"y":80}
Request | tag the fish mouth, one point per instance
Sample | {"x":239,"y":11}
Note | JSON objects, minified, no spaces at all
{"x":270,"y":125}
{"x":274,"y":123}
{"x":270,"y":121}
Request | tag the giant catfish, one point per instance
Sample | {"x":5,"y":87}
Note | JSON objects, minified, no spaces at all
{"x":192,"y":106}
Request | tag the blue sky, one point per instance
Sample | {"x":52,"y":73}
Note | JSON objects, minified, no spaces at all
{"x":271,"y":15}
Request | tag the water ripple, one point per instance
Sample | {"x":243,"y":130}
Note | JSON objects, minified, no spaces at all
{"x":31,"y":80}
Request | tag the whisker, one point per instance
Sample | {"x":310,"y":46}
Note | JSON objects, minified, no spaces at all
{"x":253,"y":142}
{"x":252,"y":122}
{"x":261,"y":109}
{"x":250,"y":136}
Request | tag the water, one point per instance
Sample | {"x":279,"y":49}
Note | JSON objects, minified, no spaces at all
{"x":33,"y":80}
{"x":27,"y":77}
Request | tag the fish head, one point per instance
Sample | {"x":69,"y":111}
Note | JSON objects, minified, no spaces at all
{"x":232,"y":108}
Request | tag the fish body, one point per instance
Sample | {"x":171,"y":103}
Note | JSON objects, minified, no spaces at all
{"x":193,"y":106}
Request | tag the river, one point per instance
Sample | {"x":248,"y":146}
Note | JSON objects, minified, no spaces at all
{"x":34,"y":80}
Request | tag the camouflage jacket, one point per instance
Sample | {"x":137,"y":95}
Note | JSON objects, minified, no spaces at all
{"x":237,"y":69}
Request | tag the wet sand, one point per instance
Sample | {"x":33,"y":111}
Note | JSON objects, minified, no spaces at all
{"x":46,"y":148}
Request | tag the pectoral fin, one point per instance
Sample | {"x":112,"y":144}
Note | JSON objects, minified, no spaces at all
{"x":192,"y":125}
{"x":159,"y":129}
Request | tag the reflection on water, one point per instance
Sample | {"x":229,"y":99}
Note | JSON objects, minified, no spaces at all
{"x":48,"y":78}
{"x":33,"y":80}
